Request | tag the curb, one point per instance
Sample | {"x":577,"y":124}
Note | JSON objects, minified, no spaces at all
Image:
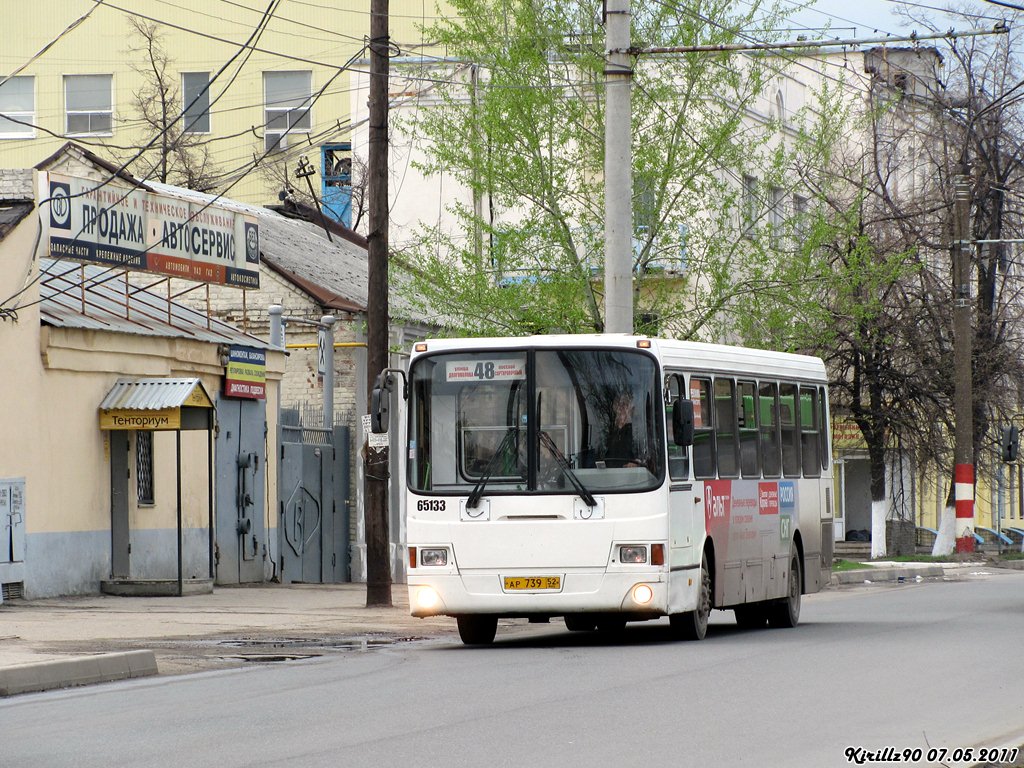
{"x":80,"y":670}
{"x":871,"y":575}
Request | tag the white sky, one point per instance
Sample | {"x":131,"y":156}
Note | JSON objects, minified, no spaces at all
{"x":861,"y":18}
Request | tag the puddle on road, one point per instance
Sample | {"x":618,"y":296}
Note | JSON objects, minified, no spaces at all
{"x":265,"y":658}
{"x":260,"y":650}
{"x":360,"y":644}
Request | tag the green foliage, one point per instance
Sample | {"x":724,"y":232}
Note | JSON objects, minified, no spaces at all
{"x":521,"y":124}
{"x":839,"y":566}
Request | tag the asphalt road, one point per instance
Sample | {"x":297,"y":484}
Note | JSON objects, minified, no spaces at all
{"x":918,"y":666}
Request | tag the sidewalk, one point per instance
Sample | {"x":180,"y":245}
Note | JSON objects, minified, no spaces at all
{"x":885,"y":571}
{"x":57,"y":642}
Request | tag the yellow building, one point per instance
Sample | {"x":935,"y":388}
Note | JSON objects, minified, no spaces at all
{"x":123,"y":410}
{"x":261,"y":89}
{"x":918,"y":494}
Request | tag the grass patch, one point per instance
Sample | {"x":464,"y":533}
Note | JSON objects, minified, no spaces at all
{"x":1012,"y":556}
{"x":923,"y":559}
{"x":839,"y":566}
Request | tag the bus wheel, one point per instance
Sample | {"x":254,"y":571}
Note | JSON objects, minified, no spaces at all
{"x":785,"y":614}
{"x":693,"y":625}
{"x":580,"y":622}
{"x":752,"y":616}
{"x":477,"y":630}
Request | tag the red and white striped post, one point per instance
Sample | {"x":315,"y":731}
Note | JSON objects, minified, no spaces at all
{"x":963,"y":494}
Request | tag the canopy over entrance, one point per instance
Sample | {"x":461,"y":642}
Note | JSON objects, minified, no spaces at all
{"x":162,"y":405}
{"x":156,"y":404}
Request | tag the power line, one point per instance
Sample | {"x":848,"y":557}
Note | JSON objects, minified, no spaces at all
{"x":254,"y":36}
{"x":208,"y":36}
{"x":67,"y":30}
{"x":213,"y":199}
{"x":1005,"y":4}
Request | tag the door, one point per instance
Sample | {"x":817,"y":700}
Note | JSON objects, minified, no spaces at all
{"x":120,"y":533}
{"x":857,"y":499}
{"x":240,"y":501}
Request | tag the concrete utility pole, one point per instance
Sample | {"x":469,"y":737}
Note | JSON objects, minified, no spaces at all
{"x":963,"y":337}
{"x":618,"y":170}
{"x":375,"y":509}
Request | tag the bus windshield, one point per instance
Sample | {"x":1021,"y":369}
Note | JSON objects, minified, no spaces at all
{"x":536,"y":421}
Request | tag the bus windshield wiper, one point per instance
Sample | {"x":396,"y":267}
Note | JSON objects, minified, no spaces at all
{"x":478,"y":490}
{"x":563,"y":463}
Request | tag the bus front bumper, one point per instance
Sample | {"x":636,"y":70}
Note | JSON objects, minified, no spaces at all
{"x":634,"y":592}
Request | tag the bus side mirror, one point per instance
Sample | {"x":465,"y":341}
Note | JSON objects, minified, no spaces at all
{"x":380,"y":405}
{"x":682,"y":422}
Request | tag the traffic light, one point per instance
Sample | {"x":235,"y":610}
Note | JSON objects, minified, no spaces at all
{"x":1009,"y":443}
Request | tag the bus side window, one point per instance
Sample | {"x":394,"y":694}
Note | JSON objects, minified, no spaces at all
{"x":703,"y":435}
{"x":750,"y":466}
{"x":825,"y":428}
{"x":809,"y":432}
{"x":678,"y":455}
{"x":726,"y":439}
{"x":771,"y":445}
{"x":788,"y":405}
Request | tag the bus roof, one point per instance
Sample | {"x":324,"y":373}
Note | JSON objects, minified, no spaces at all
{"x":688,"y":355}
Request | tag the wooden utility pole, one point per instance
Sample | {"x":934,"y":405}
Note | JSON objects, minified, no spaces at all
{"x":375,"y":506}
{"x":963,"y":337}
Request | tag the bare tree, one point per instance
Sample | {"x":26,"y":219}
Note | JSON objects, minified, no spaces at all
{"x":177,"y":156}
{"x":888,"y":238}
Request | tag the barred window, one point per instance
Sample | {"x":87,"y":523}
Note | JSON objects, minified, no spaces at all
{"x":144,"y":466}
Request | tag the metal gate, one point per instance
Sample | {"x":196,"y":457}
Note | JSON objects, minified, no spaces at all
{"x":313,"y":503}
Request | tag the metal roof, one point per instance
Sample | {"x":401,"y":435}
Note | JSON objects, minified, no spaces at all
{"x":334,"y":273}
{"x":150,"y":394}
{"x":100,"y":298}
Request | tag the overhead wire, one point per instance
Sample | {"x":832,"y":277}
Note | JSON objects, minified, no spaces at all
{"x":214,"y":198}
{"x":115,"y":174}
{"x":66,"y":31}
{"x":217,"y":38}
{"x":240,"y":173}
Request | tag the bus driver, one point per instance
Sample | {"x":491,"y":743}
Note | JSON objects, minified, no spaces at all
{"x":620,"y":448}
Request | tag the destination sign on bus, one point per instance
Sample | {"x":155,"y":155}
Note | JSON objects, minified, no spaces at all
{"x":480,"y":369}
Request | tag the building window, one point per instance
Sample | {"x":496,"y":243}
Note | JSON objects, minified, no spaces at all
{"x":144,"y":467}
{"x":777,"y":201}
{"x":195,"y":102}
{"x":88,"y":105}
{"x":17,"y":108}
{"x":748,"y":211}
{"x":287,"y":102}
{"x":801,"y":218}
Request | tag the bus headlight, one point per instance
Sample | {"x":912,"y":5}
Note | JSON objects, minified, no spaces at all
{"x":427,"y":598}
{"x":642,"y":594}
{"x":633,"y":554}
{"x":433,"y":557}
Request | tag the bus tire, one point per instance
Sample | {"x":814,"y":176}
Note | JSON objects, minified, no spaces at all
{"x":751,"y":616}
{"x":785,"y":613}
{"x":477,"y":629}
{"x":580,"y":622}
{"x":693,"y":625}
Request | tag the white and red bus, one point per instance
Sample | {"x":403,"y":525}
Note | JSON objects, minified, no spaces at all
{"x":606,"y":479}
